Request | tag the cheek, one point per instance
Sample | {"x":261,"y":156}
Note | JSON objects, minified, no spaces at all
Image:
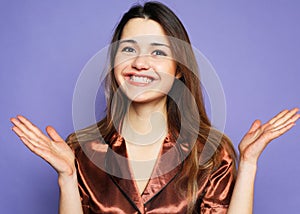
{"x":118,"y":71}
{"x":166,"y":83}
{"x":117,"y":74}
{"x":168,"y":68}
{"x":118,"y":60}
{"x":171,"y":64}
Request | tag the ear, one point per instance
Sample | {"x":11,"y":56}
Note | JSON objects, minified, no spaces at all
{"x":178,"y":73}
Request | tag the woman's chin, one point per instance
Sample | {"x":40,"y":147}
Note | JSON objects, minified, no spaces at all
{"x":146,"y":97}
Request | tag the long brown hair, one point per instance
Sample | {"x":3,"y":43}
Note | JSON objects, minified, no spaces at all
{"x":206,"y":134}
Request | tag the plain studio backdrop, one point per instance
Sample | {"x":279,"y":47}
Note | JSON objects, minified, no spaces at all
{"x":253,"y":45}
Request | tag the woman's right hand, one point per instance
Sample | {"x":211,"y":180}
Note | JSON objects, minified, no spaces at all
{"x":51,"y":148}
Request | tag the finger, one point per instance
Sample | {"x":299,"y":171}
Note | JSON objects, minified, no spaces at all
{"x":255,"y":125}
{"x":29,"y":144}
{"x":22,"y":128}
{"x":283,"y":130}
{"x":22,"y":131}
{"x":29,"y":125}
{"x":254,"y":132}
{"x":41,"y":152}
{"x":53,"y":134}
{"x":285,"y":117}
{"x":18,"y":131}
{"x":32,"y":147}
{"x":21,"y":135}
{"x":291,"y":120}
{"x":30,"y":130}
{"x":282,"y":113}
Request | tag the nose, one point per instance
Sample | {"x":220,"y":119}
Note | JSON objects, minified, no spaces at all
{"x":141,"y":62}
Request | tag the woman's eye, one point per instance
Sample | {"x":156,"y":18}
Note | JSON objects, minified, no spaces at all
{"x":159,"y":53}
{"x":128,"y":49}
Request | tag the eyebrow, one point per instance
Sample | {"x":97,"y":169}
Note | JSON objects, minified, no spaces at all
{"x":128,"y":40}
{"x":159,"y":44}
{"x":135,"y":42}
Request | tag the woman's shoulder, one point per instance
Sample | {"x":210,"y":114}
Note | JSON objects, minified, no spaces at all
{"x":225,"y":150}
{"x":94,"y":146}
{"x":226,"y":158}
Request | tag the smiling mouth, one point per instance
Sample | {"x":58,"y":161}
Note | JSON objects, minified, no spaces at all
{"x":140,"y":79}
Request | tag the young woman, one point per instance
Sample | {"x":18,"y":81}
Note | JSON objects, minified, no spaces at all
{"x":154,"y":155}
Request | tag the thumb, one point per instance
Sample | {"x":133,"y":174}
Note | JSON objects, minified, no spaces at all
{"x":255,"y":125}
{"x":53,"y":134}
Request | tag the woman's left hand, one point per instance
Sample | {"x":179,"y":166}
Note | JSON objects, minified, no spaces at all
{"x":260,"y":135}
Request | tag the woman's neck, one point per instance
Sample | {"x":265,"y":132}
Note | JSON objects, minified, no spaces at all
{"x":145,"y":123}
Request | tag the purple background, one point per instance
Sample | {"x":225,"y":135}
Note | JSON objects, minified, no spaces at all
{"x":254,"y":47}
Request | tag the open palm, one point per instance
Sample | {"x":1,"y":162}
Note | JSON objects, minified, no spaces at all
{"x":51,"y":148}
{"x":260,"y":135}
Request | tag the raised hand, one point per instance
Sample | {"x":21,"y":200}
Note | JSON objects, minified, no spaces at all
{"x":259,"y":136}
{"x":51,"y":148}
{"x":251,"y":147}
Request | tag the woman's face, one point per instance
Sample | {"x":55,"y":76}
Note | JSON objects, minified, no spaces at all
{"x":144,"y":68}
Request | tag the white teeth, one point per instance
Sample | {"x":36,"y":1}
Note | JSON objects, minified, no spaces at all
{"x":140,"y":79}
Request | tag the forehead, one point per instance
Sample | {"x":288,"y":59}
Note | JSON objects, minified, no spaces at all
{"x":147,"y":28}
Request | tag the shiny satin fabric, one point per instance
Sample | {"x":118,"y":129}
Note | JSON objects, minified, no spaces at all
{"x":103,"y":192}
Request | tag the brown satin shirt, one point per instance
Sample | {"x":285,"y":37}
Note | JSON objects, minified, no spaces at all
{"x":106,"y":184}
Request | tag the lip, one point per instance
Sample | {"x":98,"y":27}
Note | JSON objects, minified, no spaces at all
{"x":147,"y":75}
{"x":140,"y":84}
